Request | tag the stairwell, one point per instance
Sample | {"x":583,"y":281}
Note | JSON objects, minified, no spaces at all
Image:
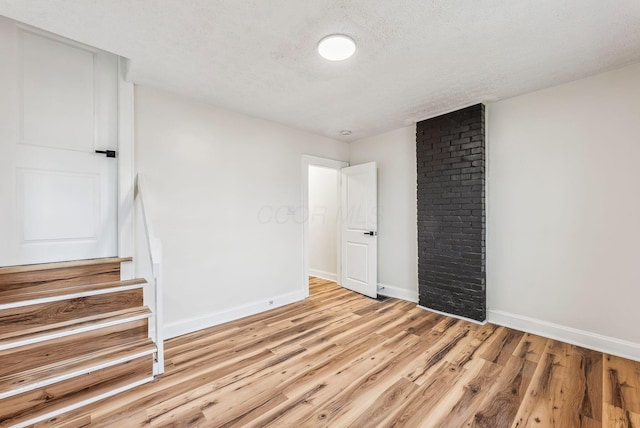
{"x":71,"y":333}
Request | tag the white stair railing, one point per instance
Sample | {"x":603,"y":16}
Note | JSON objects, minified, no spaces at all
{"x":155,"y":255}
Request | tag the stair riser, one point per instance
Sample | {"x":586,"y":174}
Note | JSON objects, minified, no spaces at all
{"x":62,"y":277}
{"x":33,"y":318}
{"x":53,"y":353}
{"x":17,"y":298}
{"x":57,"y":396}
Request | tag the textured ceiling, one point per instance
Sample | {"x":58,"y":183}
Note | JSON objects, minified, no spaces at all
{"x":415,"y":58}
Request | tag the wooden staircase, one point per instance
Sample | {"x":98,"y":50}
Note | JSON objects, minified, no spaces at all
{"x":71,"y":333}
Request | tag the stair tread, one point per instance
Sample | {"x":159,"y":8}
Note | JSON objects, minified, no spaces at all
{"x":36,"y":315}
{"x":62,"y":350}
{"x":43,"y":291}
{"x":77,"y":364}
{"x":67,"y":326}
{"x":62,"y":265}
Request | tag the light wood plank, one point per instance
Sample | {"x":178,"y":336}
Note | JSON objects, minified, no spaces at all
{"x":62,"y":265}
{"x":54,"y":354}
{"x":28,"y":405}
{"x":380,"y":409}
{"x":32,"y":319}
{"x":40,"y":279}
{"x":503,"y":344}
{"x":531,"y":347}
{"x":82,"y":363}
{"x":501,"y":403}
{"x":622,"y":383}
{"x":63,"y":291}
{"x":615,"y":417}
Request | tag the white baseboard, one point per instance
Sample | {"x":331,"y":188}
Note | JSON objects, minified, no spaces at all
{"x":453,"y":316}
{"x":190,"y":325}
{"x":323,"y":274}
{"x":597,"y":342}
{"x":398,"y":293}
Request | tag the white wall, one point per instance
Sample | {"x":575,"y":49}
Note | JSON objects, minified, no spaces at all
{"x":323,"y":222}
{"x":225,"y":194}
{"x":395,"y":153}
{"x":563,"y":225}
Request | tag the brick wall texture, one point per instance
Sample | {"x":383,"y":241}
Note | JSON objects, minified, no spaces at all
{"x":451,"y":212}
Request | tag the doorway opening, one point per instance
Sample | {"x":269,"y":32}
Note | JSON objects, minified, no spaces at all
{"x":323,"y":222}
{"x":321,"y":205}
{"x":354,"y":228}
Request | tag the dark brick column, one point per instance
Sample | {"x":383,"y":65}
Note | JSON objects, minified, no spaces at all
{"x":451,"y":216}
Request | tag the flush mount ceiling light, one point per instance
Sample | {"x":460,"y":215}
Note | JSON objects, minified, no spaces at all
{"x":345,"y":132}
{"x":336,"y":47}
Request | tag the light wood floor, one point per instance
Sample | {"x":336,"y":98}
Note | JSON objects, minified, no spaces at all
{"x":341,"y":359}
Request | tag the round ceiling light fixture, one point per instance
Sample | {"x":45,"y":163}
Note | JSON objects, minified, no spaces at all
{"x":345,"y":132}
{"x":336,"y":47}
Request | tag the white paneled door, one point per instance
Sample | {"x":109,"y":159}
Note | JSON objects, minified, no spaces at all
{"x":360,"y":229}
{"x":58,"y":106}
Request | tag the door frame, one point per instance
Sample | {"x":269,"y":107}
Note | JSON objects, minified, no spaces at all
{"x":126,"y":170}
{"x":308,"y":161}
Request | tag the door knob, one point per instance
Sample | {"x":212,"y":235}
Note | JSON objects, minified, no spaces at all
{"x":371,"y":233}
{"x":109,"y":153}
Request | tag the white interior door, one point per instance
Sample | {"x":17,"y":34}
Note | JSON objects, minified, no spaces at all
{"x":58,"y":106}
{"x":359,"y":220}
